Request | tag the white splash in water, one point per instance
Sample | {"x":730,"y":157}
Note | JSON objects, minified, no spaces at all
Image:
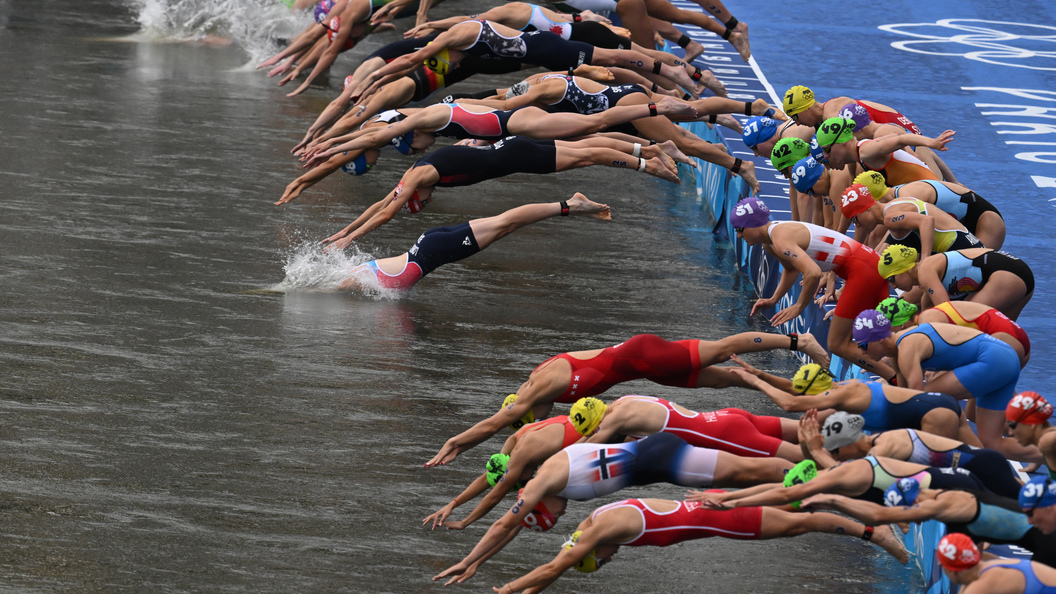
{"x":253,"y":24}
{"x":311,"y":267}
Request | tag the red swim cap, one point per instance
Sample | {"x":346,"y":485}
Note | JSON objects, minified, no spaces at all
{"x":855,"y":200}
{"x":957,"y":552}
{"x":1030,"y":408}
{"x":539,"y":519}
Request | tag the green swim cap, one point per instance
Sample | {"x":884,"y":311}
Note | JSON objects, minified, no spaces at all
{"x":788,"y":151}
{"x":898,"y":310}
{"x":834,"y":131}
{"x":801,"y":473}
{"x":496,"y":467}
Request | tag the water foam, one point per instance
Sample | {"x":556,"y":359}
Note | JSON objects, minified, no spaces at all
{"x":311,"y":267}
{"x":252,"y":24}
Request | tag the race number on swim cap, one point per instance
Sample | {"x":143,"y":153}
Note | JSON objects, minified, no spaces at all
{"x":496,"y":467}
{"x":874,"y":181}
{"x":855,"y":200}
{"x":957,"y":552}
{"x":896,"y":259}
{"x":527,"y":418}
{"x":871,"y":326}
{"x":787,"y":151}
{"x":816,"y":152}
{"x":1029,"y":408}
{"x":811,"y":379}
{"x":898,"y":310}
{"x":806,"y":173}
{"x":357,"y":166}
{"x":842,"y":429}
{"x":803,"y":472}
{"x":757,"y":130}
{"x":904,"y":492}
{"x":440,"y":63}
{"x":586,"y":414}
{"x":834,"y":131}
{"x":750,"y":212}
{"x":857,"y":114}
{"x":1040,"y":492}
{"x":797,"y":99}
{"x":539,"y":519}
{"x":403,"y":143}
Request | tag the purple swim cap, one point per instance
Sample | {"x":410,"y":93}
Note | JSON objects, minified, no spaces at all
{"x":750,"y":212}
{"x":322,"y":10}
{"x":857,"y":113}
{"x":871,"y":326}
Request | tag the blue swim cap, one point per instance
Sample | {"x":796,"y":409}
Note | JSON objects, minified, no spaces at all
{"x":816,"y":152}
{"x":1039,"y":492}
{"x":403,"y":143}
{"x":758,"y":129}
{"x":806,"y":173}
{"x":904,"y":492}
{"x":357,"y":166}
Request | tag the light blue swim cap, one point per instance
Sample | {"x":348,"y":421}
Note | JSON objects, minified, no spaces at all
{"x":357,"y":166}
{"x":806,"y":173}
{"x":758,"y":129}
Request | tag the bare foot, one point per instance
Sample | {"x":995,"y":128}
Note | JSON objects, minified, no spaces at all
{"x":808,"y":345}
{"x":654,"y":152}
{"x":681,"y":77}
{"x":885,"y":539}
{"x":747,"y":173}
{"x":671,"y":150}
{"x":587,"y":15}
{"x":739,"y":41}
{"x":693,"y":51}
{"x":598,"y":73}
{"x":655,"y":167}
{"x":675,"y":109}
{"x":712,"y":83}
{"x":760,"y":107}
{"x":579,"y":204}
{"x":725,"y":119}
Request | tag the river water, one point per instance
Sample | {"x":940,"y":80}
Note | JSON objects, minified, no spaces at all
{"x":180,"y":414}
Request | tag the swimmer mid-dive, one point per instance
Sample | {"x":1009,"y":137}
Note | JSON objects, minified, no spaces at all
{"x":661,"y":523}
{"x":443,"y":245}
{"x":569,"y":376}
{"x":465,"y":165}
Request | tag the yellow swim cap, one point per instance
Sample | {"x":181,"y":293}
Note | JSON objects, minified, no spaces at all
{"x":797,"y":99}
{"x":811,"y":379}
{"x":896,"y":259}
{"x":874,"y":181}
{"x":527,"y":418}
{"x":440,"y":63}
{"x":588,"y":564}
{"x":586,"y":414}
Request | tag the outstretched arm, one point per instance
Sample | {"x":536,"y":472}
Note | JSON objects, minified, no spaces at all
{"x":793,"y":256}
{"x":786,"y":401}
{"x":498,"y":534}
{"x":478,"y":486}
{"x":876,"y":151}
{"x":480,"y":432}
